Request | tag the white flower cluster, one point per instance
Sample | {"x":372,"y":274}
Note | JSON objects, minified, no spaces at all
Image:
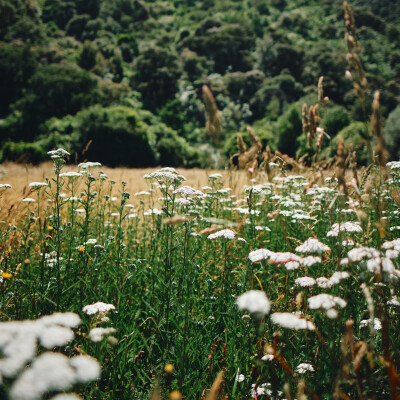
{"x":71,"y":174}
{"x":312,"y":245}
{"x":344,"y":227}
{"x":188,"y":191}
{"x":291,"y":321}
{"x":305,"y":281}
{"x":5,"y":186}
{"x":98,"y":307}
{"x":36,"y":185}
{"x":255,"y":302}
{"x":59,"y":153}
{"x":367,"y":322}
{"x":89,"y":164}
{"x":335,"y":279}
{"x":304,"y":367}
{"x":325,"y":301}
{"x":50,"y":371}
{"x":225,"y":233}
{"x":97,"y":334}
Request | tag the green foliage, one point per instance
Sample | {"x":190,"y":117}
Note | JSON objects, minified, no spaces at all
{"x":155,"y":76}
{"x":391,"y":133}
{"x":258,"y":57}
{"x":228,"y":46}
{"x":23,"y":152}
{"x":289,"y":127}
{"x":17,"y":64}
{"x":353,"y":138}
{"x":55,"y":90}
{"x":335,"y":119}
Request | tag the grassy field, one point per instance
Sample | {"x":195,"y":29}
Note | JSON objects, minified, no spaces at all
{"x":286,"y":283}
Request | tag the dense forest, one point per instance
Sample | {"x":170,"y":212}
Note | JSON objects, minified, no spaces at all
{"x":120,"y":81}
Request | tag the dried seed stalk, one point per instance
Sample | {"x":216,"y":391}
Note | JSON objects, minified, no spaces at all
{"x":213,"y":126}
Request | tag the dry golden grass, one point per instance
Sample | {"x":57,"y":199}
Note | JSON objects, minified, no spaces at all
{"x":19,"y":176}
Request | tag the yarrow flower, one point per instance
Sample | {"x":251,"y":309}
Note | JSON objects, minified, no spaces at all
{"x":291,"y":321}
{"x":344,"y":227}
{"x":304,"y":367}
{"x":97,"y":334}
{"x":367,"y":322}
{"x":305,"y":281}
{"x":5,"y":186}
{"x":59,"y":153}
{"x":325,"y":301}
{"x":225,"y":233}
{"x":98,"y":307}
{"x":71,"y":174}
{"x":89,"y":164}
{"x":37,"y":185}
{"x":312,"y":245}
{"x":255,"y":302}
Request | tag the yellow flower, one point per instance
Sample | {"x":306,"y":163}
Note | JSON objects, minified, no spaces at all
{"x":175,"y":395}
{"x":169,"y":368}
{"x":8,"y":251}
{"x":50,"y":228}
{"x":81,"y":249}
{"x":6,"y":275}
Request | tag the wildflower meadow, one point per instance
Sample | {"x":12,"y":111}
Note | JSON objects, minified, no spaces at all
{"x":284,"y":287}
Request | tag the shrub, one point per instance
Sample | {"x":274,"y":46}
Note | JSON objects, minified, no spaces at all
{"x":391,"y":133}
{"x":335,"y":119}
{"x":23,"y":152}
{"x":289,"y":127}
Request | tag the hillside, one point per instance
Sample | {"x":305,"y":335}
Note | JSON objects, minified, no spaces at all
{"x":119,"y":81}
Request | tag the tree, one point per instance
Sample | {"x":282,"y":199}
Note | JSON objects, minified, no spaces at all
{"x":155,"y":76}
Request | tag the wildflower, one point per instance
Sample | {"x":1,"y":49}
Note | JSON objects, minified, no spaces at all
{"x":5,"y":186}
{"x":292,"y":265}
{"x":50,"y":228}
{"x":142,"y":193}
{"x":59,"y":153}
{"x":71,"y":174}
{"x":291,"y":321}
{"x":97,"y":334}
{"x":359,"y":253}
{"x":304,"y":367}
{"x":283,"y":258}
{"x":5,"y":275}
{"x":37,"y":185}
{"x":255,"y":302}
{"x":188,"y":191}
{"x":240,"y":378}
{"x":260,"y":254}
{"x":152,"y":211}
{"x":344,"y":227}
{"x":305,"y":281}
{"x":262,"y":228}
{"x":169,"y":368}
{"x":28,"y":200}
{"x":310,"y":261}
{"x":226,"y":233}
{"x":267,"y":357}
{"x":89,"y":164}
{"x":98,"y":307}
{"x":312,"y":245}
{"x":81,"y":249}
{"x":394,"y":302}
{"x":366,"y":322}
{"x":214,"y":177}
{"x":325,"y":301}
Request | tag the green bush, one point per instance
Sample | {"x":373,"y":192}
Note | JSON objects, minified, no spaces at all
{"x":289,"y":127}
{"x":23,"y":152}
{"x":353,"y":138}
{"x":391,"y":133}
{"x":335,"y":119}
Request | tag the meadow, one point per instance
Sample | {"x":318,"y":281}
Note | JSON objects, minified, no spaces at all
{"x":194,"y":284}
